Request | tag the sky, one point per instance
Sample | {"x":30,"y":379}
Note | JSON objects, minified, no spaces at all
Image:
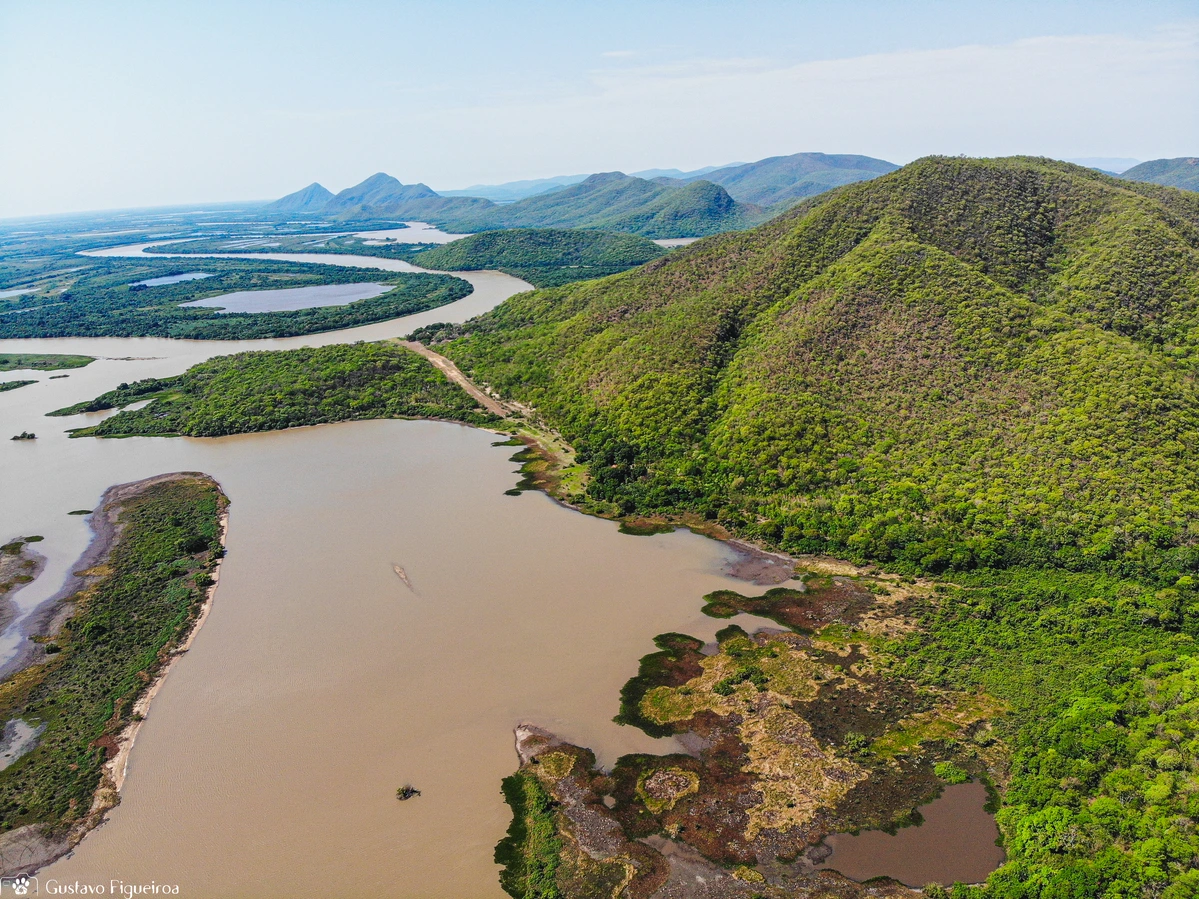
{"x":119,"y":105}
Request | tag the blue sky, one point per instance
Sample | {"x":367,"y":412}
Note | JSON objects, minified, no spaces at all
{"x":130,"y":104}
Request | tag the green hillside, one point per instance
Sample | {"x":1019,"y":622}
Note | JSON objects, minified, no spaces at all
{"x":613,"y":201}
{"x":1183,"y":172}
{"x":545,"y":257}
{"x":980,"y":369}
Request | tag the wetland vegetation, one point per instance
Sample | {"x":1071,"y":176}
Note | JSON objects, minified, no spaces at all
{"x":103,"y":299}
{"x":798,"y":734}
{"x":545,"y":257}
{"x":266,"y":391}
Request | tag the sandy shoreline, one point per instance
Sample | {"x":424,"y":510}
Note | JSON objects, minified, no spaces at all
{"x":25,"y":849}
{"x":117,"y":767}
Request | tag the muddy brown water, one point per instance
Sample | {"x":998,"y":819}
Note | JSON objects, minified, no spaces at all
{"x":320,"y":682}
{"x":955,"y":843}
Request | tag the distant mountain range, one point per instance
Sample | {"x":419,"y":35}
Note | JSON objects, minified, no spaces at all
{"x":654,"y":203}
{"x":379,"y":196}
{"x":650,"y":174}
{"x":786,"y":179}
{"x":379,"y":190}
{"x":512,"y":191}
{"x":1182,"y":172}
{"x":1111,"y":165}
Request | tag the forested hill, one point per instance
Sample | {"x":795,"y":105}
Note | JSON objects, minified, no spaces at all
{"x":614,"y":201}
{"x":545,"y":257}
{"x":964,"y":363}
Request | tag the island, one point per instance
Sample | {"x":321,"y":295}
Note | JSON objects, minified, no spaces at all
{"x":42,"y":361}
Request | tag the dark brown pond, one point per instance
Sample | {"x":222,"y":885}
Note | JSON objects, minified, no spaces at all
{"x":955,"y":843}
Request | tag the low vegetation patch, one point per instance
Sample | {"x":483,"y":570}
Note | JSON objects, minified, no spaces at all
{"x":791,"y":734}
{"x":41,"y":361}
{"x":531,"y":850}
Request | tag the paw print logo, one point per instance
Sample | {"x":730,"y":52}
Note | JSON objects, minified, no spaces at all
{"x":22,"y":885}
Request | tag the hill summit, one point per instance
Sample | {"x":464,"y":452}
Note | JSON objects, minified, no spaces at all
{"x":312,"y":198}
{"x":379,"y":190}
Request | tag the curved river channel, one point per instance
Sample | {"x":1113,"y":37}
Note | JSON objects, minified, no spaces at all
{"x":269,"y":762}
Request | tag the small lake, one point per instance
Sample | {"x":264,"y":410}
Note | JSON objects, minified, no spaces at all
{"x":955,"y":843}
{"x":171,"y":279}
{"x":672,"y":242}
{"x":291,"y":298}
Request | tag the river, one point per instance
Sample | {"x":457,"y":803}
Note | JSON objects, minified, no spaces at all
{"x":269,"y":761}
